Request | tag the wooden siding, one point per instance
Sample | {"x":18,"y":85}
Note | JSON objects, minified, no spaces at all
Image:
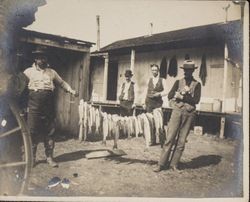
{"x":73,"y":67}
{"x":142,"y":71}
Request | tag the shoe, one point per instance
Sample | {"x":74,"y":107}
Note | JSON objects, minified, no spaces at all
{"x":158,"y":169}
{"x":173,"y":168}
{"x":51,"y":162}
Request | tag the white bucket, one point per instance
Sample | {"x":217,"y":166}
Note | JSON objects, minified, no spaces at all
{"x":198,"y":130}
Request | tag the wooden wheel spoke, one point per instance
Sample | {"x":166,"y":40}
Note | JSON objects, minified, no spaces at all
{"x":11,"y":132}
{"x":13,"y":164}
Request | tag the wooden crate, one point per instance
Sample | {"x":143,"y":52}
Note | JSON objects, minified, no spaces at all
{"x":206,"y":107}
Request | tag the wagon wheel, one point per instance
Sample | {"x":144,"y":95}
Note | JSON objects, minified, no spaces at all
{"x":16,"y":168}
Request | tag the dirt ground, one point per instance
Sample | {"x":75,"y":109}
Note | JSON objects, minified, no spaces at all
{"x":210,"y":167}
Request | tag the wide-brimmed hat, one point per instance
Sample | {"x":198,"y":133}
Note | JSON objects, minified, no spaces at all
{"x":188,"y":64}
{"x":40,"y":50}
{"x":128,"y":73}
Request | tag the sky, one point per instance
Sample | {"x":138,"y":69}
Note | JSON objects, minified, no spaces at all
{"x":123,"y":19}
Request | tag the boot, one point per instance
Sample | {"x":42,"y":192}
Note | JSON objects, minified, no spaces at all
{"x":34,"y":162}
{"x":51,"y":162}
{"x":159,"y":168}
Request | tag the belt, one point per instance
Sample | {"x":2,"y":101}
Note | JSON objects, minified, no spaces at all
{"x":40,"y":90}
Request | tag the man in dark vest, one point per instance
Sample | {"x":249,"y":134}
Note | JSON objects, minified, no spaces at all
{"x":41,"y":114}
{"x":156,"y":90}
{"x":127,"y":95}
{"x":183,"y":96}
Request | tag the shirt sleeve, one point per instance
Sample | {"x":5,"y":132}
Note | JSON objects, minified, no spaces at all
{"x":173,"y":90}
{"x":27,"y":73}
{"x":135,"y":93}
{"x":193,"y":100}
{"x":61,"y":82}
{"x":119,"y":91}
{"x":164,"y":84}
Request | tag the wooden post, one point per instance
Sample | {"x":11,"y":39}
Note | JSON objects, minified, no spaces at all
{"x":132,"y":62}
{"x":225,"y":78}
{"x":222,"y":126}
{"x":85,"y":76}
{"x":98,"y":32}
{"x":105,"y":78}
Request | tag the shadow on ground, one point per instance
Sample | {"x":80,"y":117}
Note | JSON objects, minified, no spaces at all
{"x":119,"y":159}
{"x":201,"y":161}
{"x":73,"y":156}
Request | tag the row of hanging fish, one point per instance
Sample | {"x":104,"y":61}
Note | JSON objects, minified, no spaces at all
{"x":94,"y":121}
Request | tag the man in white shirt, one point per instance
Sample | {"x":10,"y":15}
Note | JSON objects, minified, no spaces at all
{"x":127,"y":95}
{"x":41,"y":110}
{"x":156,"y":90}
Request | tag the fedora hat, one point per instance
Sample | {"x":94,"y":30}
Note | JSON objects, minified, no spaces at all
{"x":128,"y":73}
{"x":40,"y":50}
{"x":188,"y":64}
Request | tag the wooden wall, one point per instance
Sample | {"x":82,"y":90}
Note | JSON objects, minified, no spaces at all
{"x":142,"y":71}
{"x":73,"y":67}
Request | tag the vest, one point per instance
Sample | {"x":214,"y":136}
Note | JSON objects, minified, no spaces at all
{"x":158,"y":87}
{"x":183,"y":105}
{"x":154,"y":102}
{"x":131,"y":92}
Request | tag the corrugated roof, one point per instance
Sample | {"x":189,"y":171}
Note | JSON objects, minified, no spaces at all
{"x":218,"y":32}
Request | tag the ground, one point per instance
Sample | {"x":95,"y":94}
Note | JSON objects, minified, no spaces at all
{"x":210,"y":167}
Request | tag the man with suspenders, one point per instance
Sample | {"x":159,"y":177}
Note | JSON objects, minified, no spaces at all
{"x":183,"y":96}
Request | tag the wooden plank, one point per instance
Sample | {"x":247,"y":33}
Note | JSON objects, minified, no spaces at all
{"x":225,"y":78}
{"x":22,"y":163}
{"x":47,"y":42}
{"x":86,"y":62}
{"x":132,"y":60}
{"x":10,"y":132}
{"x":105,"y":78}
{"x":105,"y":153}
{"x":98,"y":54}
{"x":71,"y":83}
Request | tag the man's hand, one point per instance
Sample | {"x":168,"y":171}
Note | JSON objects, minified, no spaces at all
{"x":178,"y":95}
{"x":187,"y":89}
{"x":73,"y":92}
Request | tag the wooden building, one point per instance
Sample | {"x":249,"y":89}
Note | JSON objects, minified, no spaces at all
{"x":70,"y":58}
{"x":221,"y":44}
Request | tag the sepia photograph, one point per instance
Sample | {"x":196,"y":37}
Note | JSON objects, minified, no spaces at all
{"x":117,"y":100}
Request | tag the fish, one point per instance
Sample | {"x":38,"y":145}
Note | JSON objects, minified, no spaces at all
{"x":158,"y":114}
{"x":81,"y":113}
{"x":152,"y":128}
{"x":97,"y":120}
{"x":146,"y":130}
{"x":105,"y":126}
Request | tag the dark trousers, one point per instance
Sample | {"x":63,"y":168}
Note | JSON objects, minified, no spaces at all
{"x":178,"y":129}
{"x":153,"y":103}
{"x":126,"y":108}
{"x":41,"y":120}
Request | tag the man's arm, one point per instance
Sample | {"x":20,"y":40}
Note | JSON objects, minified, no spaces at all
{"x":63,"y":83}
{"x":193,"y":100}
{"x":175,"y":87}
{"x":164,"y":92}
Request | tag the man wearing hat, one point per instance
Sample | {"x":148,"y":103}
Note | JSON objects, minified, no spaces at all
{"x":127,"y":95}
{"x":41,"y":109}
{"x":183,"y":96}
{"x":156,"y":90}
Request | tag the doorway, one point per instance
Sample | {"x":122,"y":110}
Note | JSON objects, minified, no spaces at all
{"x":112,"y":80}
